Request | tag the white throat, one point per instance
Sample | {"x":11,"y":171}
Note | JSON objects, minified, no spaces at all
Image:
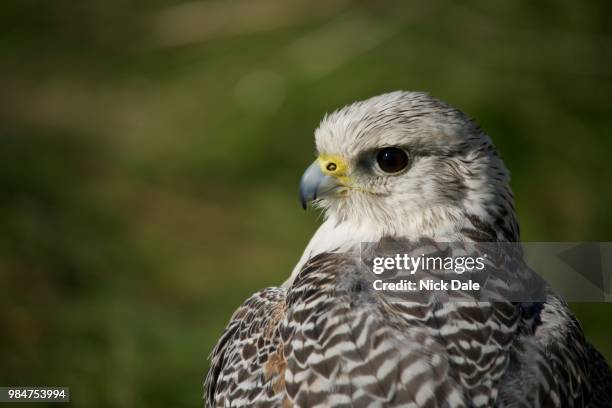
{"x":334,"y":236}
{"x":348,"y":235}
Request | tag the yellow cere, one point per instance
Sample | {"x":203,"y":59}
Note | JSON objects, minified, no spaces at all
{"x":334,"y":165}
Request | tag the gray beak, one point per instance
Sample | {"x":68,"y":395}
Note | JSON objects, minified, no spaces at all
{"x":315,"y":184}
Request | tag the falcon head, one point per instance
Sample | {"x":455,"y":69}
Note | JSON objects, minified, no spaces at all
{"x":407,"y":165}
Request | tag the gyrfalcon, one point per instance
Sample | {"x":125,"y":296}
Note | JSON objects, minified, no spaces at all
{"x":408,"y":167}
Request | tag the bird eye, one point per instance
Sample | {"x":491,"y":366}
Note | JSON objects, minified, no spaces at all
{"x":392,"y":159}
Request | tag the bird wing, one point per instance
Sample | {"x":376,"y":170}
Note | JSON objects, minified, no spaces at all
{"x":552,"y":364}
{"x":247,"y":365}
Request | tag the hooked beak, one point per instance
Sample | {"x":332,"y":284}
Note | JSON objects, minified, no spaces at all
{"x":316,"y":184}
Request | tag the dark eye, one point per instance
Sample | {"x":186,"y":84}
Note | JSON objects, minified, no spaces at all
{"x":392,"y":159}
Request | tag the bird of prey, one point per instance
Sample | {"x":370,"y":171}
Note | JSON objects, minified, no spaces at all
{"x":404,"y":166}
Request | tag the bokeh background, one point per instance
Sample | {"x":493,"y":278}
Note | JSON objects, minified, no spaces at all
{"x":150,"y":154}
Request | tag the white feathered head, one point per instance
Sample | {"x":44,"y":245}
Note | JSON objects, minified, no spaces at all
{"x":405,"y":164}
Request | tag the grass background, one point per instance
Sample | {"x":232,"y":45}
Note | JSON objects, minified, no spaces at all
{"x":150,"y":154}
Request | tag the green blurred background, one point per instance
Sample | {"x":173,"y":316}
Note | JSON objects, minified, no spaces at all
{"x":150,"y":154}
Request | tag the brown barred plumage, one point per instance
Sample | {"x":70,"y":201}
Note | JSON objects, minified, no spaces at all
{"x":330,"y":340}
